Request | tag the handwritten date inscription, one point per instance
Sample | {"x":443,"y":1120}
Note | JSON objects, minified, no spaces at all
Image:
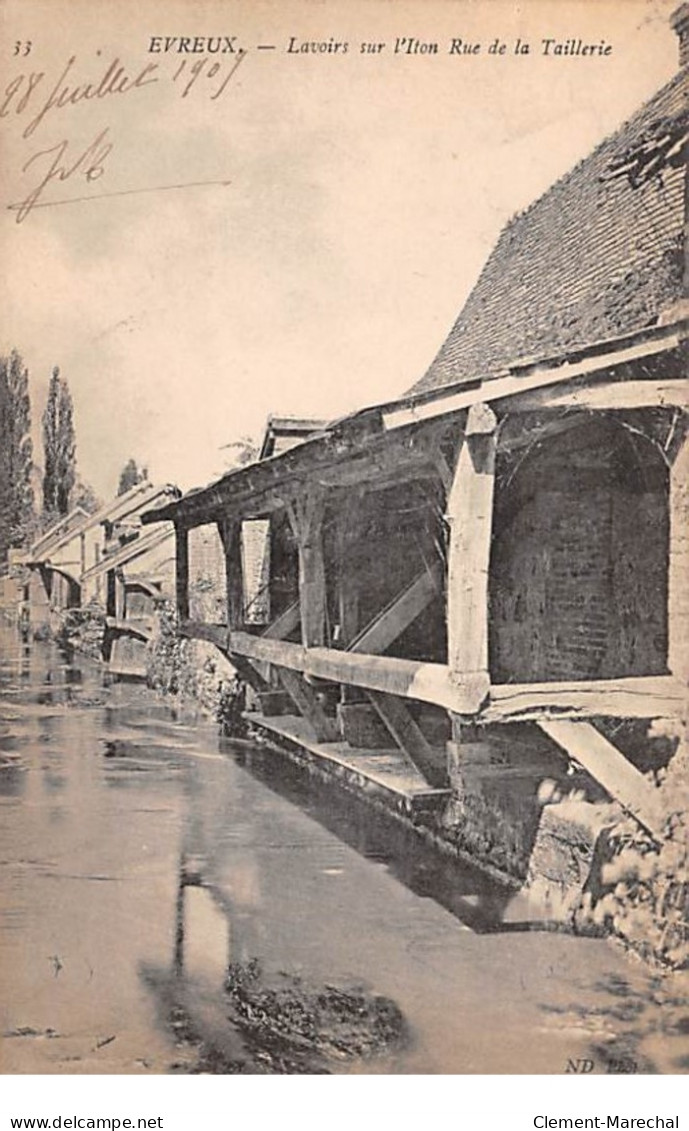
{"x":36,"y":98}
{"x":26,"y":92}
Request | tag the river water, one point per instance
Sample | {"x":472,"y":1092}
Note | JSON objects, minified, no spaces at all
{"x":140,"y":854}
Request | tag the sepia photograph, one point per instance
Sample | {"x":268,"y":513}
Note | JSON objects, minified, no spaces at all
{"x":344,"y":539}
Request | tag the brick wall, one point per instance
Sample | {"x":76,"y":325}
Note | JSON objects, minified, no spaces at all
{"x":579,"y":562}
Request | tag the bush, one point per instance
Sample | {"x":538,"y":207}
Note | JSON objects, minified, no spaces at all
{"x":188,"y":668}
{"x":83,"y":629}
{"x":644,"y":891}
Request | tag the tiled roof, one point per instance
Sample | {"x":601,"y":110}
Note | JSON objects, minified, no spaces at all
{"x":599,"y":255}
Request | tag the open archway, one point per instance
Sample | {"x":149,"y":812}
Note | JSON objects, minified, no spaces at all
{"x":578,"y":575}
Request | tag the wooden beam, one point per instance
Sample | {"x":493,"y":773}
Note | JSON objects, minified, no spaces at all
{"x":119,"y":595}
{"x":387,"y":625}
{"x":678,"y":566}
{"x":248,"y":671}
{"x":285,"y":623}
{"x":515,"y":434}
{"x":609,"y":767}
{"x":407,"y":734}
{"x":348,"y":583}
{"x":306,"y":518}
{"x":609,"y":395}
{"x":469,"y":513}
{"x":218,"y":635}
{"x":182,"y":571}
{"x":430,"y":441}
{"x":355,"y":456}
{"x":389,"y":777}
{"x":212,"y":633}
{"x":230,"y":530}
{"x":409,"y":678}
{"x":636,"y":697}
{"x":445,"y":472}
{"x":123,"y":627}
{"x":534,"y":376}
{"x":379,"y":466}
{"x":306,"y":700}
{"x":280,"y":628}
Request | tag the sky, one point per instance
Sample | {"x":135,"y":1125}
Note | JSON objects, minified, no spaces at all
{"x":338,"y":205}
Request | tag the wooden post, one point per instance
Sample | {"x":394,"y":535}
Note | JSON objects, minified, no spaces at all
{"x":111,"y":594}
{"x":348,"y":584}
{"x":470,"y":515}
{"x":678,"y":566}
{"x":182,"y":571}
{"x":120,"y":605}
{"x":306,"y":516}
{"x":231,"y":537}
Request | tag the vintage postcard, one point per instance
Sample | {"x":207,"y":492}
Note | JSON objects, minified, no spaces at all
{"x":344,"y":556}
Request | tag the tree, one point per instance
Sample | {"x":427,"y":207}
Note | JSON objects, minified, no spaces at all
{"x":59,"y":447}
{"x":130,"y":475}
{"x":240,"y":452}
{"x":85,"y":497}
{"x":16,"y":492}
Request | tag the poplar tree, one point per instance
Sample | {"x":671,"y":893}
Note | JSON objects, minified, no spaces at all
{"x":130,"y":475}
{"x":16,"y":464}
{"x":59,"y":447}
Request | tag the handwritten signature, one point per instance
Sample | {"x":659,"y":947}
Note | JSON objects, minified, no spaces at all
{"x":90,"y":164}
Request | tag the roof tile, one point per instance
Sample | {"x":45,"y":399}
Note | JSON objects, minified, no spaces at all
{"x":598,"y":255}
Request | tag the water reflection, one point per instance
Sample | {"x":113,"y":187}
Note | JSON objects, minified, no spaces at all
{"x":468,"y":892}
{"x":12,"y":779}
{"x":140,"y":857}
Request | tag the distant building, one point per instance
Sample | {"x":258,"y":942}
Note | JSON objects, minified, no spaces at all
{"x":64,"y":564}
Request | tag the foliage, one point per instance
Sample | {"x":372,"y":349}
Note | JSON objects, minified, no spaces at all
{"x":59,"y":447}
{"x":644,"y":889}
{"x":193,"y":670}
{"x":645,"y":897}
{"x":130,"y":475}
{"x":16,"y":492}
{"x":85,"y":497}
{"x":82,"y":628}
{"x":231,"y":706}
{"x":239,"y":453}
{"x":169,"y":670}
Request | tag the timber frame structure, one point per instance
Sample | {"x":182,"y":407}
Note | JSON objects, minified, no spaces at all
{"x":487,"y":581}
{"x":463,"y":450}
